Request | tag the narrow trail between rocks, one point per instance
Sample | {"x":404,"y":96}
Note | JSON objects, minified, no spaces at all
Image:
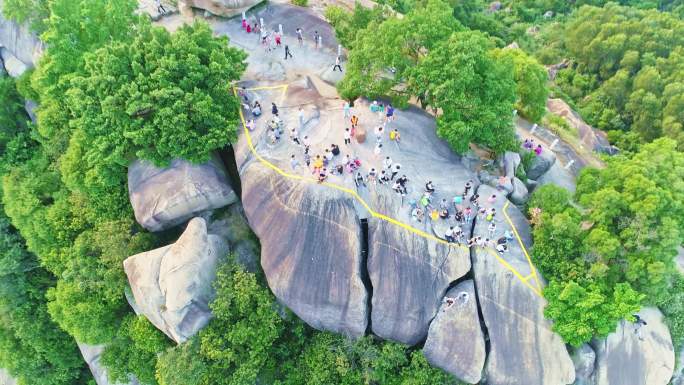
{"x":374,"y":214}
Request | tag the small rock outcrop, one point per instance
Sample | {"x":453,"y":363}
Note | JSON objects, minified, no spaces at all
{"x":172,"y":285}
{"x":13,"y":66}
{"x":523,"y":348}
{"x":6,"y":379}
{"x":18,"y":43}
{"x":541,"y":164}
{"x":91,"y":354}
{"x":168,"y":196}
{"x":455,"y":341}
{"x":520,"y":194}
{"x":224,"y":8}
{"x":584,"y":359}
{"x":622,"y":358}
{"x":310,"y":248}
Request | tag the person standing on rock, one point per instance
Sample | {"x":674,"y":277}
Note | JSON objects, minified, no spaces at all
{"x":449,"y":235}
{"x":294,"y":163}
{"x":395,"y":170}
{"x":638,"y":323}
{"x":359,"y":180}
{"x":347,"y":136}
{"x":277,"y":39}
{"x":160,"y":7}
{"x":347,"y":110}
{"x":316,"y":39}
{"x":274,"y":109}
{"x":387,"y":163}
{"x":300,"y":36}
{"x":337,"y":64}
{"x":468,"y":186}
{"x":287,"y":51}
{"x":300,"y":115}
{"x":492,"y":229}
{"x":468,"y":214}
{"x":377,"y":150}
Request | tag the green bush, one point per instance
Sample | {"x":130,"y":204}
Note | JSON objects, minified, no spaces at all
{"x":301,"y":3}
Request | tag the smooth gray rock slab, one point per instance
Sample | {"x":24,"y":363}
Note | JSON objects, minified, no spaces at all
{"x":559,"y":176}
{"x":541,"y":164}
{"x":523,"y":348}
{"x":13,"y":66}
{"x":310,"y":248}
{"x":19,"y":41}
{"x":584,"y":359}
{"x":455,"y":342}
{"x":172,"y":285}
{"x":91,"y":354}
{"x":623,"y":359}
{"x":409,"y":275}
{"x":168,"y":196}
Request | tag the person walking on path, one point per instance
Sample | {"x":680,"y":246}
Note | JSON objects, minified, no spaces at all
{"x":277,"y":39}
{"x":395,"y":136}
{"x":316,"y":38}
{"x":287,"y":51}
{"x":300,"y":36}
{"x":274,"y":109}
{"x":347,"y":110}
{"x":160,"y":7}
{"x":354,"y":122}
{"x":449,"y":235}
{"x":337,"y":64}
{"x":347,"y":136}
{"x":307,"y":157}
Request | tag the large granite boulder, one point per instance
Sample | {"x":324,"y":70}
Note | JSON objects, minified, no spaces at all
{"x":510,"y":162}
{"x":310,"y":248}
{"x":455,"y":341}
{"x":19,"y":41}
{"x":589,"y":136}
{"x":220,"y":7}
{"x":520,"y":195}
{"x":541,"y":164}
{"x":523,"y":348}
{"x":164,"y":197}
{"x":409,"y":274}
{"x":91,"y":354}
{"x":584,"y":359}
{"x":6,"y":379}
{"x":622,"y":358}
{"x":172,"y":285}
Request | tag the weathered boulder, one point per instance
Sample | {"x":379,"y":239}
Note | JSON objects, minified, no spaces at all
{"x":510,"y":162}
{"x":13,"y":66}
{"x":590,"y":137}
{"x":455,"y":341}
{"x":622,"y":358}
{"x":541,"y":164}
{"x":6,"y":379}
{"x":584,"y":359}
{"x":172,"y":285}
{"x":310,"y":248}
{"x":19,"y":41}
{"x":167,"y":196}
{"x":409,"y":274}
{"x":523,"y":348}
{"x":220,"y":7}
{"x":520,"y":194}
{"x":91,"y":354}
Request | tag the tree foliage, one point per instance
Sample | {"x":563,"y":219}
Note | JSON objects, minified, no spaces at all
{"x":629,"y":73}
{"x":530,"y":83}
{"x":616,"y":252}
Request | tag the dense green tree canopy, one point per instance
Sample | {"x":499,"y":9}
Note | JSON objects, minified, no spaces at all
{"x":616,"y":252}
{"x":530,"y":82}
{"x":628,"y":72}
{"x":473,"y":92}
